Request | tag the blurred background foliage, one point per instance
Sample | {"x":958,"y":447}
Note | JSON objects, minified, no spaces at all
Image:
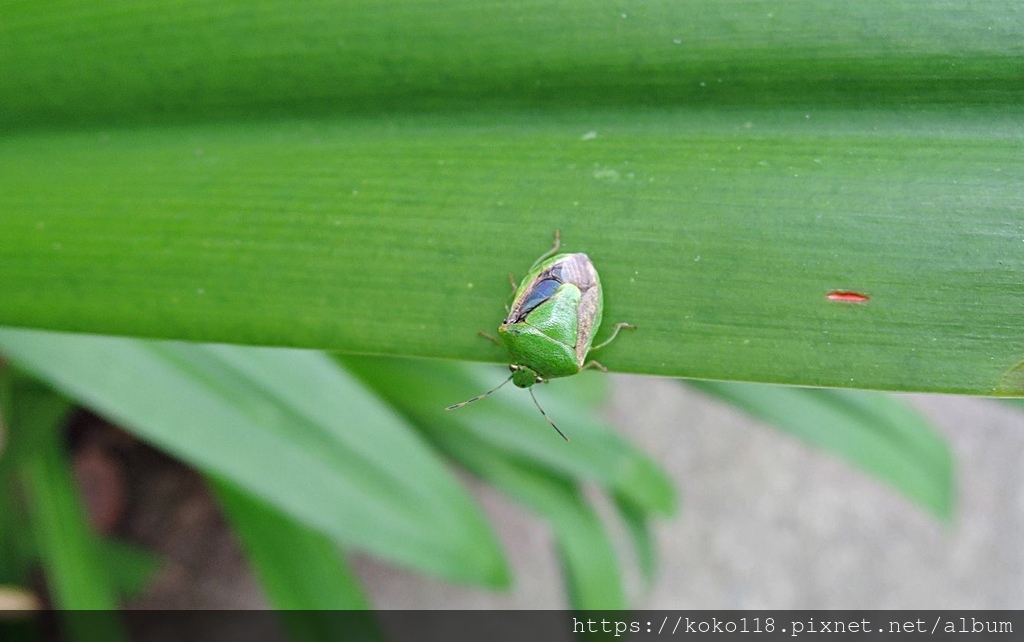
{"x":358,"y":177}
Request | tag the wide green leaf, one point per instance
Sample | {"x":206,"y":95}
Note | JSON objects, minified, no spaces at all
{"x":874,"y":431}
{"x":395,"y":237}
{"x":360,"y":177}
{"x":118,"y":60}
{"x":289,"y":427}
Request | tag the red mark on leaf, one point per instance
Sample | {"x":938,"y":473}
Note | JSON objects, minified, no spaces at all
{"x":847,"y":296}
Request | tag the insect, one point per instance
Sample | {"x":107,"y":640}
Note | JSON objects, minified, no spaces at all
{"x":555,"y":313}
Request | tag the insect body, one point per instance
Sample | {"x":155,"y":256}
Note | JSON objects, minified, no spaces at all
{"x":555,"y":313}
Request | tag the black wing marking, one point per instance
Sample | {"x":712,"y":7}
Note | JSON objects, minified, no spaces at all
{"x":540,"y":293}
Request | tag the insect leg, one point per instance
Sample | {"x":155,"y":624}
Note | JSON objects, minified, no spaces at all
{"x":551,"y":252}
{"x":491,"y":338}
{"x":618,"y":326}
{"x":479,"y":397}
{"x":593,"y":364}
{"x":515,"y":288}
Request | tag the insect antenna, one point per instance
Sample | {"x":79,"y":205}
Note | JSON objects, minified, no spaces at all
{"x":479,"y":397}
{"x":532,"y":396}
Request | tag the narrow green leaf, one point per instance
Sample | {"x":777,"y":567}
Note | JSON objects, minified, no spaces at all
{"x":534,"y":466}
{"x":287,"y":426}
{"x":17,"y":549}
{"x":32,"y":405}
{"x":76,"y":574}
{"x":36,"y":416}
{"x":874,"y":431}
{"x":70,"y":554}
{"x":305,"y":574}
{"x":6,"y":385}
{"x":15,"y":544}
{"x":1016,"y":403}
{"x":638,"y":526}
{"x":510,"y":422}
{"x":130,"y":566}
{"x":298,"y":567}
{"x":591,"y":567}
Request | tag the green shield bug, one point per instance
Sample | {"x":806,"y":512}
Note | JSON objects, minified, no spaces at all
{"x":548,"y":332}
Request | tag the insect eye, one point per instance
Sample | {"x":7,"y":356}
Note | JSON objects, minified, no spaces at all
{"x":513,"y":367}
{"x":539,"y":380}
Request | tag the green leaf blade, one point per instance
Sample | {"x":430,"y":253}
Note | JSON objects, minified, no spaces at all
{"x":591,"y":567}
{"x":70,"y":552}
{"x":726,"y":166}
{"x":300,"y":569}
{"x":234,"y":59}
{"x":873,"y":431}
{"x":702,"y":229}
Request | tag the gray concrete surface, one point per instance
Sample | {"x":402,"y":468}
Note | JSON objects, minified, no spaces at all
{"x":767,"y":522}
